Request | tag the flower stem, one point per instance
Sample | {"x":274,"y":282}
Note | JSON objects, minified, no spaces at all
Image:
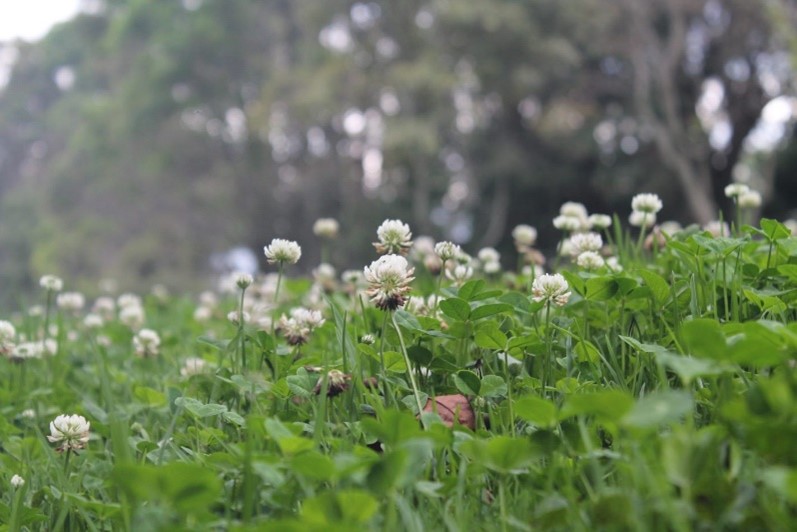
{"x":409,"y":366}
{"x":241,"y":337}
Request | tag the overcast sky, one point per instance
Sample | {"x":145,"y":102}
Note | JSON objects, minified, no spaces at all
{"x":31,"y":19}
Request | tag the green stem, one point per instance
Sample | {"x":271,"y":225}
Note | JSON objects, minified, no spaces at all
{"x":241,"y":337}
{"x":409,"y":366}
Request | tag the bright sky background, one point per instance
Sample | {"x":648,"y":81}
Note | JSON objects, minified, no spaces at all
{"x":32,"y":19}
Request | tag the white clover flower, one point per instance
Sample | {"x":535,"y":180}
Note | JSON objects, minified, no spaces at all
{"x":193,"y":366}
{"x":263,"y":322}
{"x":160,"y":292}
{"x":734,"y":190}
{"x":670,"y":228}
{"x":326,"y":228}
{"x":640,"y":219}
{"x":590,"y":260}
{"x":416,"y":305}
{"x":447,"y":250}
{"x":72,"y":432}
{"x":299,"y":325}
{"x":103,"y":340}
{"x":28,"y":413}
{"x":613,"y":263}
{"x":459,"y":273}
{"x":389,"y":279}
{"x":104,"y":306}
{"x":73,"y":301}
{"x":550,"y":288}
{"x":146,"y":343}
{"x":17,"y":481}
{"x":648,"y":203}
{"x":8,"y":335}
{"x":749,"y":200}
{"x":202,"y":313}
{"x":128,"y":300}
{"x":489,"y":255}
{"x":367,"y":339}
{"x":353,"y":278}
{"x":283,"y":251}
{"x":48,"y":347}
{"x":524,"y":235}
{"x":422,"y":247}
{"x":791,"y":225}
{"x":568,"y":223}
{"x":243,"y":280}
{"x":325,"y":276}
{"x":132,"y":316}
{"x":574,"y":209}
{"x":51,"y":283}
{"x":717,"y":228}
{"x":25,"y":351}
{"x":491,"y":267}
{"x":566,"y":248}
{"x":394,"y":236}
{"x":311,"y":318}
{"x":234,"y":317}
{"x":599,"y":221}
{"x":208,"y":299}
{"x":581,"y":242}
{"x":92,"y":321}
{"x":537,"y":270}
{"x":36,"y":310}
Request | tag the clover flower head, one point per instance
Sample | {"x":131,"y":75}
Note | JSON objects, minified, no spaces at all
{"x":581,"y":242}
{"x":8,"y":335}
{"x":337,"y":382}
{"x":524,"y":235}
{"x":489,"y":255}
{"x":394,"y":236}
{"x":734,"y":190}
{"x":649,"y":203}
{"x":51,"y":283}
{"x":590,"y":260}
{"x":17,"y":481}
{"x":613,"y":263}
{"x":717,"y":228}
{"x":104,"y":306}
{"x":446,"y":250}
{"x":73,"y":301}
{"x":422,"y":247}
{"x":283,"y":251}
{"x":642,"y":219}
{"x":72,"y":432}
{"x":459,"y":273}
{"x":193,"y":366}
{"x":569,"y":224}
{"x":749,"y":200}
{"x":128,"y":300}
{"x":326,"y":228}
{"x":243,"y":280}
{"x":93,"y":321}
{"x":235,"y":316}
{"x":132,"y":316}
{"x":389,"y":279}
{"x":491,"y":267}
{"x":146,"y":343}
{"x":791,"y":225}
{"x":670,"y":228}
{"x":599,"y":221}
{"x":551,"y":288}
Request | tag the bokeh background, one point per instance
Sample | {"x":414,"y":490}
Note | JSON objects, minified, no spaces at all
{"x":142,"y":140}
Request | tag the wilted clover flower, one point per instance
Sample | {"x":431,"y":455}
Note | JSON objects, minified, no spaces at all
{"x":581,"y":242}
{"x":599,"y":221}
{"x":326,"y":228}
{"x":282,"y":251}
{"x":51,"y":283}
{"x":550,"y":288}
{"x":72,"y":432}
{"x":389,"y":279}
{"x":525,"y":236}
{"x":642,"y":219}
{"x":648,"y":203}
{"x":337,"y":382}
{"x":146,"y":343}
{"x":17,"y":481}
{"x":73,"y":301}
{"x":590,"y":260}
{"x":394,"y":236}
{"x":749,"y":200}
{"x":447,"y":250}
{"x":734,"y":190}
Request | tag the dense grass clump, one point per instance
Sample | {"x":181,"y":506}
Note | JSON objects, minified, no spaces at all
{"x":646,"y":382}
